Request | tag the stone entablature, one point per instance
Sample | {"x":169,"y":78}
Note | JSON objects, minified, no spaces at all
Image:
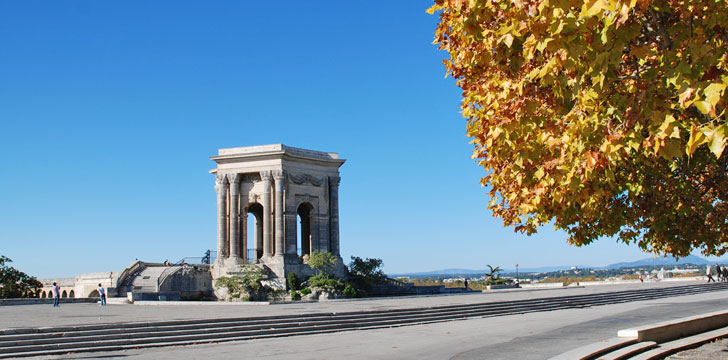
{"x":279,"y":185}
{"x":273,"y":149}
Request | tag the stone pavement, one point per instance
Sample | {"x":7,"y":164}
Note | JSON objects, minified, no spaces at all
{"x":78,"y":314}
{"x":534,"y":336}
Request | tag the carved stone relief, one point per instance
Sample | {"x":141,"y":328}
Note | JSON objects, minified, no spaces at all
{"x":306,"y":178}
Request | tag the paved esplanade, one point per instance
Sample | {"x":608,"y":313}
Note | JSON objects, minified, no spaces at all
{"x":524,"y":336}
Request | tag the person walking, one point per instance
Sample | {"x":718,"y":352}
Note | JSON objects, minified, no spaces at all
{"x":56,"y":295}
{"x":718,"y":273}
{"x":708,"y":273}
{"x":102,"y":295}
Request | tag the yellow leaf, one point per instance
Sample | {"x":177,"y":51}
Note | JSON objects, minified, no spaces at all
{"x":623,"y":14}
{"x":717,"y":139}
{"x":675,"y":134}
{"x":508,"y":39}
{"x":543,"y":43}
{"x":534,"y":73}
{"x":670,"y":150}
{"x":685,"y":96}
{"x":697,"y":138}
{"x":668,"y":126}
{"x":713,"y":92}
{"x":433,"y":9}
{"x":539,"y":173}
{"x":704,"y":107}
{"x":591,"y":8}
{"x":717,"y":146}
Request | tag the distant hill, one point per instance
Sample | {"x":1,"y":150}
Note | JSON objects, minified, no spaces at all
{"x":442,"y":272}
{"x":454,"y":272}
{"x":690,"y":259}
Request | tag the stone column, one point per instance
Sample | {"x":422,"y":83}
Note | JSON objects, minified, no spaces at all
{"x":234,"y":218}
{"x":244,"y":236}
{"x":334,"y":214}
{"x":221,"y":189}
{"x":280,"y":179}
{"x":266,"y":177}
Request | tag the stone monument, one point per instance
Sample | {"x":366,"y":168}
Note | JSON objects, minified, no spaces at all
{"x":280,"y":186}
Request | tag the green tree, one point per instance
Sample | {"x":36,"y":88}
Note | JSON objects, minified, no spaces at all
{"x":323,"y":262}
{"x":601,"y":117}
{"x":365,"y":273}
{"x":493,"y":277}
{"x":493,"y":271}
{"x":370,"y":269}
{"x":15,"y":283}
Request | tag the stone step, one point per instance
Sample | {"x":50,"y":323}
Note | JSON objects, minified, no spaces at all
{"x":655,"y":341}
{"x":689,"y":342}
{"x":628,"y":351}
{"x":594,"y":350}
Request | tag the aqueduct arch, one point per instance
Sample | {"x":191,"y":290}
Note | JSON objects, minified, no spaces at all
{"x":278,"y":184}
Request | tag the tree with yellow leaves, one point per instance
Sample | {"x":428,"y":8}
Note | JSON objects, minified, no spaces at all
{"x":606,"y":118}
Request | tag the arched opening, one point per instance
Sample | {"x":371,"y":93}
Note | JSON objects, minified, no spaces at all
{"x":255,"y":231}
{"x":72,"y":294}
{"x":42,"y":294}
{"x":50,"y":294}
{"x":64,"y":294}
{"x":303,"y":229}
{"x":94,"y":293}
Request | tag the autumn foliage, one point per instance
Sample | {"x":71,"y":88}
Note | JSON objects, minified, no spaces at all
{"x":604,"y":118}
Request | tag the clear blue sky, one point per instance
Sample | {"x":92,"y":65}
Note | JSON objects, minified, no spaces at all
{"x":109,"y":112}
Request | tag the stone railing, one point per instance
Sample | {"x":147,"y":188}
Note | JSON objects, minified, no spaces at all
{"x":169,"y":271}
{"x":395,"y":282}
{"x":128,"y":274}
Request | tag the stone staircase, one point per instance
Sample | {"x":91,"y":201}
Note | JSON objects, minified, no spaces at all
{"x":64,"y":340}
{"x":142,"y":281}
{"x":147,"y":280}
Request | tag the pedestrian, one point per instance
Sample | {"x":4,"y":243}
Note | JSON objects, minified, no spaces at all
{"x":718,"y":274}
{"x":724,"y":273}
{"x":466,"y":284}
{"x":102,"y":295}
{"x":56,"y":295}
{"x":708,"y":273}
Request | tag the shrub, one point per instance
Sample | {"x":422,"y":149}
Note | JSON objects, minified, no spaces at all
{"x":325,"y":282}
{"x":305,"y":291}
{"x":248,"y":281}
{"x":292,"y":281}
{"x":351,"y":291}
